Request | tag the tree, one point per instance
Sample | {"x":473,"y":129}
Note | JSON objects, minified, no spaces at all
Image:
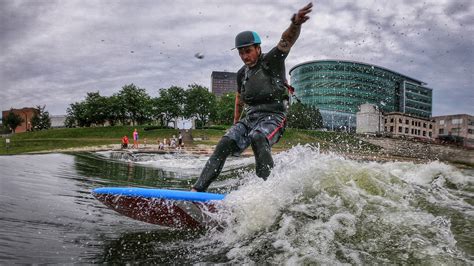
{"x":135,"y":104}
{"x":76,"y":115}
{"x":114,"y":110}
{"x":225,"y":109}
{"x":95,"y":108}
{"x":304,"y":117}
{"x":200,"y":104}
{"x":169,"y":105}
{"x":41,"y":120}
{"x":13,"y":120}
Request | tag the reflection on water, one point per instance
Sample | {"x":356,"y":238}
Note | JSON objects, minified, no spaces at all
{"x":125,"y":172}
{"x":314,"y":209}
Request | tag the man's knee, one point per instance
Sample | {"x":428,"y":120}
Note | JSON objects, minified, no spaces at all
{"x":226,"y":146}
{"x":258,"y":137}
{"x":263,"y":156}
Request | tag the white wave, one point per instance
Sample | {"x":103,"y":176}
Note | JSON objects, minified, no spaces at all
{"x":324,"y":209}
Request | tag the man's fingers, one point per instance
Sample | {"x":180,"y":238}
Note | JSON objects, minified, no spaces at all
{"x":305,"y":10}
{"x":307,"y":7}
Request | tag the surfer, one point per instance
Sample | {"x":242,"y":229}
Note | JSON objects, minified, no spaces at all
{"x":261,"y":87}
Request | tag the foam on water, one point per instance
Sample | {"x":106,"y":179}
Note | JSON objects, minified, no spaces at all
{"x":322,"y":208}
{"x":188,"y":165}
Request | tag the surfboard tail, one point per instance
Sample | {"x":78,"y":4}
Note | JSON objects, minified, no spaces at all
{"x":171,"y":213}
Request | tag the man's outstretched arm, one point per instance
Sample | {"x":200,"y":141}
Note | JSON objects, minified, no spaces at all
{"x":238,"y":108}
{"x":289,"y":37}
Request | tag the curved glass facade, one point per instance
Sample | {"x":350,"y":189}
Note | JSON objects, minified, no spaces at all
{"x":338,"y":88}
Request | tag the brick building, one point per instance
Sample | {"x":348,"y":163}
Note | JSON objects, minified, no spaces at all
{"x":223,"y":82}
{"x":26,"y":114}
{"x":458,"y":127}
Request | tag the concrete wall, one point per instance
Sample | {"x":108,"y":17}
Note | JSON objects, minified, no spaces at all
{"x":369,"y":119}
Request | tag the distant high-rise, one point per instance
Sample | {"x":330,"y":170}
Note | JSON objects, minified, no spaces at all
{"x":337,"y":88}
{"x":223,"y":82}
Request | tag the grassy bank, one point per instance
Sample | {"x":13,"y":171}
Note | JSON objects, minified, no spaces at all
{"x":65,"y":138}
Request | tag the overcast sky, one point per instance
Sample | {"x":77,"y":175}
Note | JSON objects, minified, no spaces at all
{"x":54,"y":52}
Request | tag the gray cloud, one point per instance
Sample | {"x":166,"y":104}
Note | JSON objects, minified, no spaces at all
{"x":54,"y":52}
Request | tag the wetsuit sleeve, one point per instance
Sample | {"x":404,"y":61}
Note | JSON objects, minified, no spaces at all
{"x":240,"y":75}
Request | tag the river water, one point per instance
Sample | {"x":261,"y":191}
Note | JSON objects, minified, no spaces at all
{"x":314,"y":208}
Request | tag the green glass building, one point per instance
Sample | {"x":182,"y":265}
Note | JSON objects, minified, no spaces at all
{"x":339,"y":87}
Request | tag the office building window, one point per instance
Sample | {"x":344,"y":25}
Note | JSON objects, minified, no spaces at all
{"x":400,"y":130}
{"x":406,"y":130}
{"x":441,"y":131}
{"x":441,"y":122}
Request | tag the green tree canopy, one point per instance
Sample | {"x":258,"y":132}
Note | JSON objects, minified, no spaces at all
{"x":170,"y":104}
{"x":41,"y":120}
{"x":96,"y":109}
{"x":200,"y":104}
{"x":13,"y":120}
{"x":304,"y":117}
{"x":135,"y":104}
{"x":225,"y":109}
{"x":76,"y":115}
{"x":93,"y":110}
{"x":114,"y":111}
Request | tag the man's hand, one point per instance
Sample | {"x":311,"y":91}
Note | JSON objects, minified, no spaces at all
{"x":302,"y":15}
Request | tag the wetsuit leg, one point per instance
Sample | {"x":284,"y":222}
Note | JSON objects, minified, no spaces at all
{"x":213,"y":168}
{"x":263,"y":155}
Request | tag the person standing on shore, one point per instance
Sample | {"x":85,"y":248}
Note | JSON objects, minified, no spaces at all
{"x":180,"y":140}
{"x":261,"y":86}
{"x":135,"y":139}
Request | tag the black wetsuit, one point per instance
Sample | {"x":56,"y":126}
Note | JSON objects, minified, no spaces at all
{"x":262,"y":89}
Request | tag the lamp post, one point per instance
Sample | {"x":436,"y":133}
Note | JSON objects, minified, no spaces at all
{"x":7,"y":143}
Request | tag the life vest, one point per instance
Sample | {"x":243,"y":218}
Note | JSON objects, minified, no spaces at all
{"x":262,"y":87}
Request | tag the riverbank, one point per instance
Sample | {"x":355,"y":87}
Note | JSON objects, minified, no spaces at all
{"x":351,"y":146}
{"x":391,"y":150}
{"x":74,"y":139}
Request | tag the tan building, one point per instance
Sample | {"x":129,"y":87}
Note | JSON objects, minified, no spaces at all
{"x":26,"y":114}
{"x":455,"y":128}
{"x":400,"y":124}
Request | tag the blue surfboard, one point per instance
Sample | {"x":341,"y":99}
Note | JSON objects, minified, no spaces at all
{"x":172,"y":208}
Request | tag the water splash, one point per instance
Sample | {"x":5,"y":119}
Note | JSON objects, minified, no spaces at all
{"x":322,"y":208}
